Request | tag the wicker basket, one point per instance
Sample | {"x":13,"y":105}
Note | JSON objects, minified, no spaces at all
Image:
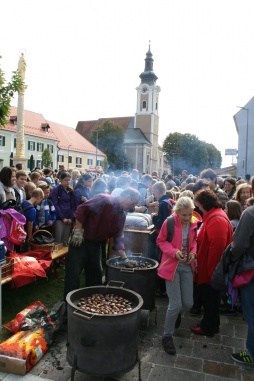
{"x":44,"y":246}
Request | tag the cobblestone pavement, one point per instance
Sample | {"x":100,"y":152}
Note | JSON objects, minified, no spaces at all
{"x":198,"y":358}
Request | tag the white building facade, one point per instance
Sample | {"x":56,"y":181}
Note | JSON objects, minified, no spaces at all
{"x":244,"y":122}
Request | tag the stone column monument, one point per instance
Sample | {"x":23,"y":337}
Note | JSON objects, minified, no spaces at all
{"x":20,"y":142}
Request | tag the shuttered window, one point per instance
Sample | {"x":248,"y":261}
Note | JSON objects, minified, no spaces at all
{"x":2,"y":140}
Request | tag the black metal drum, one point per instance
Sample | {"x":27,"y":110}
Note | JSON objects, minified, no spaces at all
{"x":102,"y":344}
{"x":140,"y":280}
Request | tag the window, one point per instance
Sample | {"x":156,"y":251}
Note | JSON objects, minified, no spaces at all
{"x":39,"y":163}
{"x":99,"y":163}
{"x":147,"y":160}
{"x":60,"y":158}
{"x":70,"y":159}
{"x":156,"y":106}
{"x":31,"y":146}
{"x":50,"y":147}
{"x":144,"y":104}
{"x":78,"y":161}
{"x":15,"y":142}
{"x":40,"y":147}
{"x":89,"y":161}
{"x":2,"y":140}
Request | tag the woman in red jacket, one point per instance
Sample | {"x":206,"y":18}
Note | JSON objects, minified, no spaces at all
{"x":213,"y":237}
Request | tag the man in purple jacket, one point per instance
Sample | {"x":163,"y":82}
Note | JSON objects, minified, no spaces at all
{"x":96,"y":220}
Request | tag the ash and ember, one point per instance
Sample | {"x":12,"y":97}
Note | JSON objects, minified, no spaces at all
{"x":135,"y":264}
{"x":108,"y":304}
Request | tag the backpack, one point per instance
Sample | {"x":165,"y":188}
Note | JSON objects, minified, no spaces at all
{"x":24,"y":208}
{"x":170,"y":203}
{"x":170,"y":225}
{"x":11,"y":204}
{"x":17,"y":233}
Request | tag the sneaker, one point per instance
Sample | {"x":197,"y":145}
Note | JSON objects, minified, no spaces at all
{"x":168,"y":345}
{"x":178,"y":321}
{"x":242,"y":358}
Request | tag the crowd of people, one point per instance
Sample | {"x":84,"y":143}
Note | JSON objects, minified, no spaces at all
{"x":207,"y":213}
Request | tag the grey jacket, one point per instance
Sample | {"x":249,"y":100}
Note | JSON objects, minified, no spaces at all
{"x":6,"y":193}
{"x":242,"y":247}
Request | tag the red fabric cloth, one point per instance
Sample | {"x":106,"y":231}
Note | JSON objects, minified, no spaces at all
{"x":44,"y":257}
{"x":214,"y":236}
{"x":27,"y":267}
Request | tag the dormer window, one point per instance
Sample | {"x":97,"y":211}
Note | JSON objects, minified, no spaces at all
{"x":45,"y":127}
{"x":13,"y":119}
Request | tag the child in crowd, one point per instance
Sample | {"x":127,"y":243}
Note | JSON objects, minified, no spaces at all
{"x":19,"y":190}
{"x":233,"y":210}
{"x":45,"y":211}
{"x":47,"y":172}
{"x":30,"y":213}
{"x":29,"y":187}
{"x":64,"y":201}
{"x":177,"y":266}
{"x":249,"y":202}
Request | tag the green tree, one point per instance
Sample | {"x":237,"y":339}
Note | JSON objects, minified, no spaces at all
{"x":110,"y":141}
{"x":186,"y":151}
{"x":215,"y":158}
{"x":7,"y":91}
{"x":46,"y":158}
{"x":105,"y":164}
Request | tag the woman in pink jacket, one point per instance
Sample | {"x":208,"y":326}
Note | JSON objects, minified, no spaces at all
{"x":177,"y":265}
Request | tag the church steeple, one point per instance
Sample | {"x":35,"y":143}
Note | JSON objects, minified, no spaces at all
{"x":148,"y":76}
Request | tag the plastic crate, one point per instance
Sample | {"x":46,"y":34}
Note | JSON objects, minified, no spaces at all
{"x":8,"y":268}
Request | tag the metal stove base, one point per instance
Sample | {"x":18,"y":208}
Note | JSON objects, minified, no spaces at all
{"x":74,"y":368}
{"x":144,"y":316}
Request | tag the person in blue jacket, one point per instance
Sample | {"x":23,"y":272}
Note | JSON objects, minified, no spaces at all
{"x":64,"y":201}
{"x":45,"y":211}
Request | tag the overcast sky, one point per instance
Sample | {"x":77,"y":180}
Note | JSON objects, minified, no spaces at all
{"x":84,"y":58}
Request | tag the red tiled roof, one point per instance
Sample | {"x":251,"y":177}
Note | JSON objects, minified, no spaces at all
{"x":66,"y":136}
{"x":69,"y":137}
{"x":32,"y":124}
{"x":85,"y":128}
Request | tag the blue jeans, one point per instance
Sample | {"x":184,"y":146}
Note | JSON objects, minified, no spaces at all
{"x":247,"y":297}
{"x":180,"y":296}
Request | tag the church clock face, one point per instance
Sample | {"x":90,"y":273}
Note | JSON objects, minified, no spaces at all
{"x":144,"y":89}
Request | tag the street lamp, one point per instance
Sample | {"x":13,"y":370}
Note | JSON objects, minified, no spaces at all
{"x":247,"y":133}
{"x":69,"y":154}
{"x":96,"y":152}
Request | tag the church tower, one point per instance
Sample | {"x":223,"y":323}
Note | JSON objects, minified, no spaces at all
{"x":147,"y":114}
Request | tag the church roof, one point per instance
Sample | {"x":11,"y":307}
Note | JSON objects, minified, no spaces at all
{"x":148,"y":76}
{"x":135,"y":136}
{"x":85,"y":128}
{"x":131,"y":135}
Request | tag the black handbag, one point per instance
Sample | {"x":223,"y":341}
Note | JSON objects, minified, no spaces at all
{"x":42,"y":239}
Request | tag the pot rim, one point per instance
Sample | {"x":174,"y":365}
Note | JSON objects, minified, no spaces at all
{"x":108,"y":263}
{"x":96,"y":290}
